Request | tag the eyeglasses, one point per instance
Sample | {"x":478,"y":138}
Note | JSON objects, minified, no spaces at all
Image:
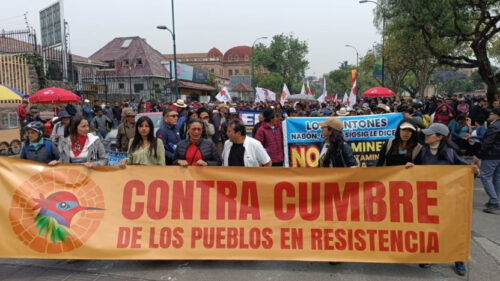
{"x":174,"y":116}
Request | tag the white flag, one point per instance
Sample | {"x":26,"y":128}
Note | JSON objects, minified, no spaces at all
{"x":345,"y":100}
{"x":309,"y":89}
{"x":324,"y":96}
{"x":224,"y":96}
{"x":303,"y":90}
{"x":352,"y":95}
{"x":262,"y":94}
{"x":285,"y":94}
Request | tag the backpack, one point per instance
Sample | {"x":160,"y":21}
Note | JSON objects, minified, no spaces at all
{"x":48,"y":145}
{"x":449,"y":154}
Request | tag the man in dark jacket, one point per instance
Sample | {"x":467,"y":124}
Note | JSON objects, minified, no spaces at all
{"x":490,"y":165}
{"x":478,"y":111}
{"x":218,"y":119}
{"x":33,"y":115}
{"x":117,"y":114}
{"x":169,"y":134}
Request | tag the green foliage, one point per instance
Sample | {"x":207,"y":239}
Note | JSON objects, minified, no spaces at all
{"x":51,"y":228}
{"x":273,"y":82}
{"x":37,"y":61}
{"x":285,"y":56}
{"x":457,"y":33}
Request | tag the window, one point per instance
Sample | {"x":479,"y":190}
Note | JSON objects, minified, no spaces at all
{"x":230,"y":72}
{"x":125,"y":62}
{"x":138,"y":88}
{"x":121,"y":85}
{"x":111,"y":63}
{"x":247,"y":72}
{"x":138,"y":61}
{"x":236,"y":58}
{"x":212,"y":70}
{"x":230,"y":58}
{"x":236,"y":72}
{"x":126,"y":43}
{"x":212,"y":56}
{"x":246,"y":58}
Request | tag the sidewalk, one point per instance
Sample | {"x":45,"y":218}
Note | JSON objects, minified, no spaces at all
{"x":484,"y":264}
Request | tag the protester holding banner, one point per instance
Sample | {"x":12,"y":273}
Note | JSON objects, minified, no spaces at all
{"x":439,"y":150}
{"x":144,"y":148}
{"x":270,"y":134}
{"x":242,"y":150}
{"x":335,"y":152}
{"x":79,"y":146}
{"x":403,"y":148}
{"x":196,"y":150}
{"x":37,"y":148}
{"x":168,"y":134}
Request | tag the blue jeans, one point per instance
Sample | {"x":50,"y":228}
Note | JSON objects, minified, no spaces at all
{"x":490,"y":177}
{"x":102,"y":135}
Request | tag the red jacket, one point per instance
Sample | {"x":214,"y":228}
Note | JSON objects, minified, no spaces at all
{"x":21,"y":112}
{"x":272,"y":141}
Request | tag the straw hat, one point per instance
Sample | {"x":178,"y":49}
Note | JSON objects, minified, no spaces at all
{"x":342,"y":112}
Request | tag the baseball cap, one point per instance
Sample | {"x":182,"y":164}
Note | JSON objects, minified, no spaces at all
{"x":437,"y":128}
{"x":407,"y":125}
{"x":332,"y":122}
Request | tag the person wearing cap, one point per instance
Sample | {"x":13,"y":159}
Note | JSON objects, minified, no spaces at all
{"x":209,"y":127}
{"x":439,"y":150}
{"x":270,"y":135}
{"x":335,"y":152}
{"x":125,"y":131}
{"x":233,"y":114}
{"x":59,"y":127}
{"x":36,"y":147}
{"x":403,"y":148}
{"x":86,"y":110}
{"x":490,"y":164}
{"x":100,"y":123}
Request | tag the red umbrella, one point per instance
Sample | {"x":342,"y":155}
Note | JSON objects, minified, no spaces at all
{"x":54,"y":95}
{"x":378,"y":92}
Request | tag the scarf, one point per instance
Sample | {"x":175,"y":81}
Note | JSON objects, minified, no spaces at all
{"x":36,"y":145}
{"x":78,"y":145}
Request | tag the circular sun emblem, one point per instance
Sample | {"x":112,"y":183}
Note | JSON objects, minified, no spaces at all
{"x":56,"y":210}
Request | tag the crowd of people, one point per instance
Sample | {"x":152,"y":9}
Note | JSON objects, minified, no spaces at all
{"x":434,"y":131}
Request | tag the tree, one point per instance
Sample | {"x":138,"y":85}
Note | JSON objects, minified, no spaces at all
{"x":273,"y":82}
{"x":458,"y":33}
{"x":284,"y":56}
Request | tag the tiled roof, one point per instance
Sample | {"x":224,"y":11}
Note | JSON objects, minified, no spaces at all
{"x":242,"y":87}
{"x":214,"y":51}
{"x":240,"y":51}
{"x":132,"y":48}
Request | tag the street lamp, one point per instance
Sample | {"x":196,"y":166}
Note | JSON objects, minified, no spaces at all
{"x":172,"y":32}
{"x":383,"y":37}
{"x":130,"y":81}
{"x":357,"y":65}
{"x":252,"y":78}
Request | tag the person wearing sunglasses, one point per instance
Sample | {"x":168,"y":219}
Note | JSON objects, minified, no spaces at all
{"x":33,"y":115}
{"x":196,"y":150}
{"x":169,"y":134}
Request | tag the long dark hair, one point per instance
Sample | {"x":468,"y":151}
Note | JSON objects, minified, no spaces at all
{"x":137,"y":142}
{"x":412,"y":142}
{"x":72,"y":129}
{"x":335,"y":142}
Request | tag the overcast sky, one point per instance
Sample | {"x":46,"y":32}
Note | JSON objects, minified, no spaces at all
{"x":326,"y":25}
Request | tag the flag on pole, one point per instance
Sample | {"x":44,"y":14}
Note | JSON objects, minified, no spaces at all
{"x":324,"y":96}
{"x":345,"y":100}
{"x":285,"y":94}
{"x":224,"y":96}
{"x":303,"y":90}
{"x":262,"y":94}
{"x":309,"y":89}
{"x":353,"y":94}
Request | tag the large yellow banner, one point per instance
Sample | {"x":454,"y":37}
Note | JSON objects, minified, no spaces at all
{"x":420,"y":215}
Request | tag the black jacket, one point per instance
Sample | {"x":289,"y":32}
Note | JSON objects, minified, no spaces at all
{"x":445,"y":156}
{"x":490,"y":148}
{"x":170,"y":137}
{"x":344,"y":157}
{"x":207,"y":148}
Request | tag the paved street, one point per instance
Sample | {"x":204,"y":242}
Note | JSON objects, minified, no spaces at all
{"x":484,"y":265}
